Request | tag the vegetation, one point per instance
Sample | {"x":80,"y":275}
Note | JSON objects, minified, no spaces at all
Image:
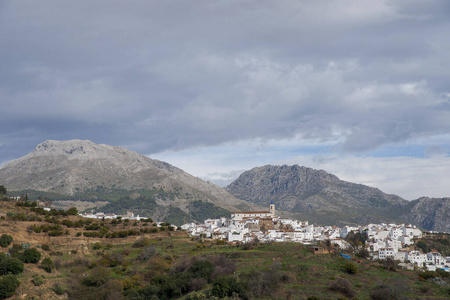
{"x":10,"y":265}
{"x":138,"y":260}
{"x":8,"y":286}
{"x":47,"y":264}
{"x":435,"y":242}
{"x":5,"y":240}
{"x":201,"y":210}
{"x":31,"y":255}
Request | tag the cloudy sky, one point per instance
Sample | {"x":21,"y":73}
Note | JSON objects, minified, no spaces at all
{"x":358,"y":88}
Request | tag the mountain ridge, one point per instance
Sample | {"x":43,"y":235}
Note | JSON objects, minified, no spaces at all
{"x":321,"y":197}
{"x":77,"y":166}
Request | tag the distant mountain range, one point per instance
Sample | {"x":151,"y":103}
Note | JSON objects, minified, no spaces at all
{"x":83,"y":170}
{"x":323,"y":198}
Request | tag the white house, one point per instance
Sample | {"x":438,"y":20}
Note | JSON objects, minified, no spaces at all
{"x":384,"y":253}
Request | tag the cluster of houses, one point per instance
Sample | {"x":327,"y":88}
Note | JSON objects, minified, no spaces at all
{"x":384,"y":240}
{"x":102,"y":216}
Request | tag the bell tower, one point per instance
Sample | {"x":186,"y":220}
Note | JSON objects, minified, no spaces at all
{"x":272,"y":208}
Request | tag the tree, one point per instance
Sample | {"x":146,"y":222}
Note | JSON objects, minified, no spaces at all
{"x":5,"y":240}
{"x":31,"y":255}
{"x":8,"y":286}
{"x":3,"y":190}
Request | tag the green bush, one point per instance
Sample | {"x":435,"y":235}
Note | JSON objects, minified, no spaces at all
{"x":45,"y":247}
{"x":350,"y":268}
{"x":31,"y":255}
{"x":47,"y":264}
{"x":37,"y":280}
{"x":5,"y":240}
{"x":59,"y":290}
{"x":226,"y":286}
{"x":8,"y":286}
{"x":10,"y":265}
{"x":202,"y":269}
{"x":196,"y":296}
{"x":14,"y":266}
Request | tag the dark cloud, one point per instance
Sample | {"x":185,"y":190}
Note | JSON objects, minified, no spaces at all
{"x":155,"y":76}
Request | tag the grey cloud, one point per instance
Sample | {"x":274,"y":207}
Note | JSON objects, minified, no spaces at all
{"x":173,"y":75}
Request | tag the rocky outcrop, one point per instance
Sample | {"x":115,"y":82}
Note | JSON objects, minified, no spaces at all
{"x":430,"y":213}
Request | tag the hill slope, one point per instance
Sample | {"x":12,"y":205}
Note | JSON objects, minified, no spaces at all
{"x":85,"y":170}
{"x":320,"y":197}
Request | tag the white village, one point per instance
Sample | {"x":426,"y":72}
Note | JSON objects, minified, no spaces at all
{"x":384,"y":241}
{"x":394,"y":241}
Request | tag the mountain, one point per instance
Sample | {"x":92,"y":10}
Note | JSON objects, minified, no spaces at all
{"x":83,"y":170}
{"x":429,"y":213}
{"x":323,"y":198}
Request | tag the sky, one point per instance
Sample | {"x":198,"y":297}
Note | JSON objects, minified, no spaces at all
{"x":360,"y":89}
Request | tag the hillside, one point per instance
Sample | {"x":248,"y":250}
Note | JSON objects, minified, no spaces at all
{"x":83,"y":170}
{"x":88,"y":260}
{"x":323,"y":198}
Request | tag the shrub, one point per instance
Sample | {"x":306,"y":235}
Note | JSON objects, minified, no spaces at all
{"x":428,"y":275}
{"x":442,"y":273}
{"x":395,"y":289}
{"x":59,"y":290}
{"x":226,"y":286}
{"x":45,"y":247}
{"x":98,"y":276}
{"x":5,"y":240}
{"x":141,"y":242}
{"x":47,"y":264}
{"x":261,"y":283}
{"x":147,"y":253}
{"x":197,"y":284}
{"x":362,"y":253}
{"x":96,"y":246}
{"x":37,"y":280}
{"x":202,"y":269}
{"x":389,"y":264}
{"x":14,"y":266}
{"x":349,"y":268}
{"x":10,"y":265}
{"x":196,"y":296}
{"x":343,"y":286}
{"x":8,"y":286}
{"x":31,"y":255}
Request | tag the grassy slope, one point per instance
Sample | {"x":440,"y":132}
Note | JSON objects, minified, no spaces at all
{"x":310,"y":275}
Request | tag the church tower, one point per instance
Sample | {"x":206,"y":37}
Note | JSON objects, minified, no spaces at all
{"x":272,"y":208}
